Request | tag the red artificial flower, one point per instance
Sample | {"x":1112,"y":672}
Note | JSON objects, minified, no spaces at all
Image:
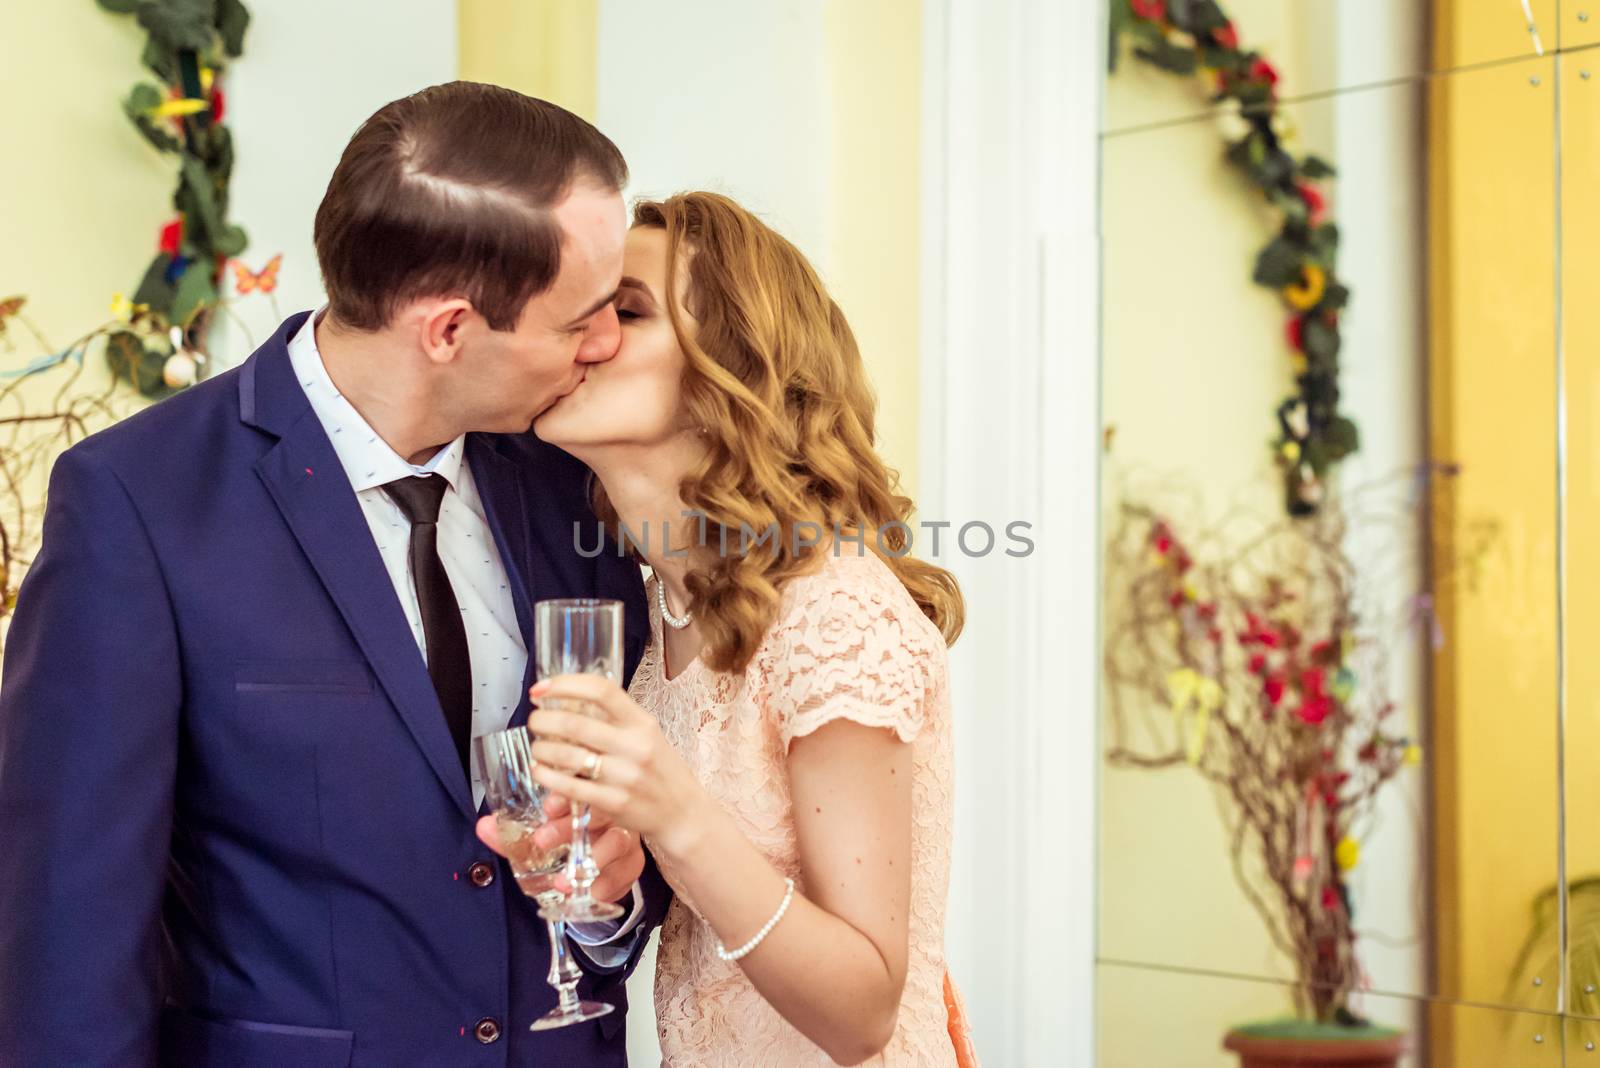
{"x":1177,"y":599}
{"x":1258,"y":664}
{"x":1184,"y":562}
{"x":1155,"y":10}
{"x":1274,"y":688}
{"x":218,"y":104}
{"x":1330,"y":898}
{"x":1297,"y":328}
{"x":1163,"y":543}
{"x":1208,"y":610}
{"x":1262,"y":71}
{"x":1315,"y":205}
{"x":1269,"y":637}
{"x":172,"y":236}
{"x":1312,"y":683}
{"x":1314,"y":710}
{"x":1227,"y":37}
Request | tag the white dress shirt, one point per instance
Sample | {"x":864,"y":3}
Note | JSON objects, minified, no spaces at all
{"x":495,"y":646}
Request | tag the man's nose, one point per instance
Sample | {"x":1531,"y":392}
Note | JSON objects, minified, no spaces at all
{"x":603,"y":338}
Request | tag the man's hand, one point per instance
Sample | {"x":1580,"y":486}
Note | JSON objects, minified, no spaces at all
{"x":617,"y":852}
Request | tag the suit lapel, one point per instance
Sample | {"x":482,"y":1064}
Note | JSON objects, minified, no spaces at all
{"x":303,"y":475}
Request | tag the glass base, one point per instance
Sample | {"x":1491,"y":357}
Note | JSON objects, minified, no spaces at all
{"x":581,"y":911}
{"x":583,"y":1011}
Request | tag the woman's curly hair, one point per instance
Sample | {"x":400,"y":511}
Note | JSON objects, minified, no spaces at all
{"x":773,"y":375}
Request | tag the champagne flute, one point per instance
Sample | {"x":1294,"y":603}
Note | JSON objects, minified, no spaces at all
{"x":579,"y":636}
{"x":518,"y":806}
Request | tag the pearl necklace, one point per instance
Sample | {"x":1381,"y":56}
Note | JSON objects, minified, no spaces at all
{"x":675,"y":622}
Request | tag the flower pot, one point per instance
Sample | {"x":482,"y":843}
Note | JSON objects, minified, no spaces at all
{"x":1310,"y":1046}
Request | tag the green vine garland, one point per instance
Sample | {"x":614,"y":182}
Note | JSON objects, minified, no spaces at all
{"x":163,"y":346}
{"x":1196,"y":38}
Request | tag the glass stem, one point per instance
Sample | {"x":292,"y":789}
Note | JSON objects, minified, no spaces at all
{"x":582,"y":872}
{"x":564,"y":971}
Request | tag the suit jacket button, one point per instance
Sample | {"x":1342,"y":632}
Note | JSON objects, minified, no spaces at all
{"x":481,"y":874}
{"x":487,"y":1030}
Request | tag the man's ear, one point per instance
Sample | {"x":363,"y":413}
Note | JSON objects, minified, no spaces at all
{"x":443,"y":325}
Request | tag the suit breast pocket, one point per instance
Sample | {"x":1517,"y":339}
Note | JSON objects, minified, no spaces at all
{"x":307,"y":678}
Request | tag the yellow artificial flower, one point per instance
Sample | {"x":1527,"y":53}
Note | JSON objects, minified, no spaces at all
{"x":1413,"y":755}
{"x":1347,"y":854}
{"x":179,"y":108}
{"x":208,"y":78}
{"x":1181,"y":687}
{"x":1291,"y":451}
{"x":125,"y":310}
{"x":1307,"y":293}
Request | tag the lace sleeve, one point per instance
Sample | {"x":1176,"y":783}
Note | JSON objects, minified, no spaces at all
{"x":851,"y":652}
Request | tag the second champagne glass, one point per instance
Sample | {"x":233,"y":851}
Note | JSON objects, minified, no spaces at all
{"x":518,"y":806}
{"x":579,"y":636}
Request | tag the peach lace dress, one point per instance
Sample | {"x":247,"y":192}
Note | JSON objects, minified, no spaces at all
{"x":849,"y":643}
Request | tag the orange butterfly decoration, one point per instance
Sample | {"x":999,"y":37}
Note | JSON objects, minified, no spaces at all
{"x":9,"y":308}
{"x":266,"y":280}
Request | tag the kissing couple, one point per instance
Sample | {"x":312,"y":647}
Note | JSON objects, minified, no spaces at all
{"x":239,"y":822}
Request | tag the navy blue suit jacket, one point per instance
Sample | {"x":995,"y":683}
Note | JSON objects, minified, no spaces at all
{"x":233,"y":826}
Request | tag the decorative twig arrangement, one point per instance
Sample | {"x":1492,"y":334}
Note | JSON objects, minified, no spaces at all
{"x":34,"y":432}
{"x":1260,"y":663}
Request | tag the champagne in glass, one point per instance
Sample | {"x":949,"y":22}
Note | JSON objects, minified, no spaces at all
{"x":579,"y":637}
{"x":518,"y":806}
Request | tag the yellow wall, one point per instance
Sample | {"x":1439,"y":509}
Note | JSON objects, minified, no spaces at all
{"x":545,"y":48}
{"x":875,"y":75}
{"x":82,"y":197}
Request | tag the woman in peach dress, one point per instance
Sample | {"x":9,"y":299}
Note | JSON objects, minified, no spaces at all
{"x":785,"y":746}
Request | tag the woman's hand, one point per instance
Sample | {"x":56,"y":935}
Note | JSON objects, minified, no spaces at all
{"x":616,"y":760}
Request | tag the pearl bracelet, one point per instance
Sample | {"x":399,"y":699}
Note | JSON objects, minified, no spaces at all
{"x":744,"y":950}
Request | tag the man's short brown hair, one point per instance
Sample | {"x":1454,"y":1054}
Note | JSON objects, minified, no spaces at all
{"x":448,"y":192}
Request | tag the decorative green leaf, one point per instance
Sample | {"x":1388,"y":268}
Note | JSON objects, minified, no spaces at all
{"x":1169,"y":57}
{"x":120,"y":7}
{"x":195,"y":290}
{"x":1315,"y":168}
{"x":198,"y":198}
{"x":160,"y":60}
{"x":155,"y":290}
{"x":157,"y":136}
{"x":1320,"y":340}
{"x":1278,"y":264}
{"x":141,"y":98}
{"x":232,"y":241}
{"x":1343,"y":438}
{"x":1252,"y":94}
{"x":1292,"y":206}
{"x":233,"y":19}
{"x":1325,"y":242}
{"x":180,"y":24}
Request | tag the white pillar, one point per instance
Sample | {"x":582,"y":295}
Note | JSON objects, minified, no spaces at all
{"x":1010,"y":431}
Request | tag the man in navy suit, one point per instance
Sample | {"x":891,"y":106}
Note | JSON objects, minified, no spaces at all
{"x":236,"y":816}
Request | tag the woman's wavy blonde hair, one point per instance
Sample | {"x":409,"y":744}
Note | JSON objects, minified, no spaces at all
{"x":773,"y":374}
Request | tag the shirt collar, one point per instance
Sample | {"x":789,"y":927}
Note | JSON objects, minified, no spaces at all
{"x":367,"y":459}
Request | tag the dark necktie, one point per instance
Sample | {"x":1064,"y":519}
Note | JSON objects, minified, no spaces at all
{"x":449,"y":663}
